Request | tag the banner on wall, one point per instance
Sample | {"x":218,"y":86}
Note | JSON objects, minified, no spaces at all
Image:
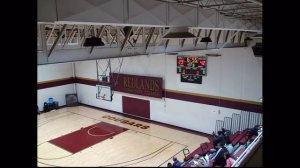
{"x":140,"y":85}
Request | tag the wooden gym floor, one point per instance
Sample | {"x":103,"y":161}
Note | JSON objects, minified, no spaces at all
{"x":83,"y":136}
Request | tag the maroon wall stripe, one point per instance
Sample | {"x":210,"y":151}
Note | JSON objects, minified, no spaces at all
{"x":241,"y":106}
{"x":172,"y":95}
{"x":55,"y":83}
{"x":215,"y":102}
{"x":192,"y":98}
{"x":86,"y":81}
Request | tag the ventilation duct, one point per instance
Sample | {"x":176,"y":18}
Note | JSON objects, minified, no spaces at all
{"x":179,"y":33}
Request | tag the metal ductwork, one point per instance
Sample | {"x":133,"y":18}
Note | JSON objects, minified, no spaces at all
{"x":178,"y":33}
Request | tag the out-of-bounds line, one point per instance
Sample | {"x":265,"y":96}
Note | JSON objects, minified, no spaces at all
{"x":150,"y":157}
{"x":53,"y":119}
{"x":139,"y":157}
{"x":133,"y":130}
{"x":54,"y":158}
{"x":120,"y":162}
{"x":163,"y":139}
{"x":49,"y":164}
{"x":172,"y":156}
{"x":57,"y":113}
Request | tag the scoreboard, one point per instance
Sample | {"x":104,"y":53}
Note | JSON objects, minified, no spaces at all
{"x":192,"y":65}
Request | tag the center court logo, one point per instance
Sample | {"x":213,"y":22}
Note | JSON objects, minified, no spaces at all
{"x":126,"y":122}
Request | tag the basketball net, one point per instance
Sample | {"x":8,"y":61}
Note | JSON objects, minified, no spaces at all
{"x":102,"y":97}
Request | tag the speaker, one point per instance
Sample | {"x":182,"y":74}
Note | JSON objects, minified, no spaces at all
{"x":257,"y":50}
{"x":71,"y":99}
{"x":93,"y":41}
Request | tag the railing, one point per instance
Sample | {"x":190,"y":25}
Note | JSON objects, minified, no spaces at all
{"x":235,"y":123}
{"x":244,"y":120}
{"x":227,"y":123}
{"x":219,"y":125}
{"x":249,"y":150}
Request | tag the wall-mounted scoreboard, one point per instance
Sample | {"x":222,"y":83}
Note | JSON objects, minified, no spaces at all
{"x":192,"y":65}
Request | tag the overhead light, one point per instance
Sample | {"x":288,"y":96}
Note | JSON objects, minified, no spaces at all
{"x":93,"y":41}
{"x":179,"y":33}
{"x":206,"y":39}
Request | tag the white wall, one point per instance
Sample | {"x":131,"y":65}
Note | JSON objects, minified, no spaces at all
{"x":57,"y":93}
{"x":236,"y":74}
{"x":54,"y":72}
{"x":195,"y":116}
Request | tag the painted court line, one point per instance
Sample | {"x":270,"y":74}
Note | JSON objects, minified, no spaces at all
{"x":80,"y":139}
{"x":132,"y":130}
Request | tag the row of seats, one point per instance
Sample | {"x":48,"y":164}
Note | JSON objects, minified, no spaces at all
{"x":239,"y":141}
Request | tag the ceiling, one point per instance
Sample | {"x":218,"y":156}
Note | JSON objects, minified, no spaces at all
{"x":242,"y":9}
{"x":125,"y":31}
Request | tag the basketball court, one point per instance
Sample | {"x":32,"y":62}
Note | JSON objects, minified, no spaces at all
{"x":84,"y":136}
{"x":134,"y":83}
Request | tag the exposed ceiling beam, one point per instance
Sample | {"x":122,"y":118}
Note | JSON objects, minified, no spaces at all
{"x":239,"y":9}
{"x":256,"y":2}
{"x":127,"y":35}
{"x":57,"y":39}
{"x":135,"y":40}
{"x":240,"y":37}
{"x":235,"y":12}
{"x":225,"y":4}
{"x":210,"y":31}
{"x":149,"y":36}
{"x":182,"y":42}
{"x":190,"y":1}
{"x":226,"y":42}
{"x":218,"y":37}
{"x":69,"y":36}
{"x":166,"y":44}
{"x":198,"y":35}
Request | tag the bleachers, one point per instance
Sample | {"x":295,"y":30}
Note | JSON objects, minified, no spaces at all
{"x":239,"y":141}
{"x":237,"y":153}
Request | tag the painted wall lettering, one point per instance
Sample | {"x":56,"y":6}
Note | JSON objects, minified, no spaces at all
{"x":141,"y":85}
{"x":126,"y":122}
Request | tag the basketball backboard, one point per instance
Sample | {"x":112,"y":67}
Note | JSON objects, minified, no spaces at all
{"x":104,"y":92}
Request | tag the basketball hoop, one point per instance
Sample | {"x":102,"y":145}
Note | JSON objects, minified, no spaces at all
{"x":102,"y":97}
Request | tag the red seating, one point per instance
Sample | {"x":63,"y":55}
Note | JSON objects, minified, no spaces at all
{"x":232,"y":137}
{"x":244,"y":140}
{"x":197,"y":151}
{"x":210,"y":145}
{"x":253,"y":137}
{"x":237,"y":139}
{"x":246,"y":130}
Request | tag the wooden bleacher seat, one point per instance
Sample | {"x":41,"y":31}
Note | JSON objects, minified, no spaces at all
{"x":232,"y":137}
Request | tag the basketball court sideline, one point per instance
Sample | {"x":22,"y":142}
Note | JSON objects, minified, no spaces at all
{"x":84,"y":136}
